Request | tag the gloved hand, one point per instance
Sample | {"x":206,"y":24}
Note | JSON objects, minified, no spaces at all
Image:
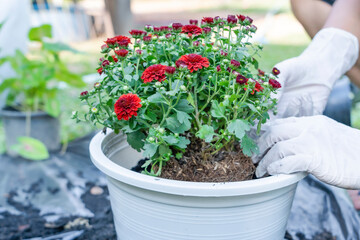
{"x":319,"y":145}
{"x":308,"y":79}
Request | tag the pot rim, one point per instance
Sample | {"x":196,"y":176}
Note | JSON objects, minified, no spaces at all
{"x":199,"y":189}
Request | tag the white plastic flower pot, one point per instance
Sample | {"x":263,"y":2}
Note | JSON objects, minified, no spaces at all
{"x":152,"y":208}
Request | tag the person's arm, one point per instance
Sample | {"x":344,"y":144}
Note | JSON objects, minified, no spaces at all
{"x":314,"y":14}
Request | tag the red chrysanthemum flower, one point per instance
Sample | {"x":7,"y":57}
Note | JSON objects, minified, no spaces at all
{"x":240,"y":79}
{"x":120,"y":40}
{"x":156,"y":72}
{"x":194,"y":62}
{"x":157,"y":29}
{"x":170,"y":70}
{"x":207,"y":20}
{"x":100,"y":70}
{"x":275,"y":71}
{"x":191,"y":30}
{"x":274,"y":83}
{"x":127,"y":106}
{"x":137,"y":33}
{"x":122,"y":52}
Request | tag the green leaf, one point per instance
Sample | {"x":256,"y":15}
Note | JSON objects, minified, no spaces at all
{"x":150,"y":149}
{"x":249,"y":146}
{"x":184,"y":106}
{"x":183,"y":142}
{"x":128,"y":77}
{"x":175,"y":126}
{"x":191,"y":100}
{"x":170,"y":139}
{"x":206,"y":132}
{"x":136,"y":140}
{"x":238,"y":127}
{"x":183,"y":117}
{"x":217,"y":110}
{"x":38,"y":33}
{"x":30,"y":148}
{"x":128,"y":70}
{"x":52,"y":107}
{"x":175,"y":86}
{"x":164,"y":149}
{"x":156,"y":98}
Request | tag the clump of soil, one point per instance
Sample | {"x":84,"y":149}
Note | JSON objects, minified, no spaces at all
{"x":199,"y":165}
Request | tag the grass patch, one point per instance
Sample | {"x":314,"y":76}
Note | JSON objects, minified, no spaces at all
{"x":275,"y":53}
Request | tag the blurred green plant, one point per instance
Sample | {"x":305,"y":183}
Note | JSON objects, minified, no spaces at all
{"x":35,"y":86}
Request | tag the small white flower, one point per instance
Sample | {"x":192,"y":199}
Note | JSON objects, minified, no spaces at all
{"x":125,"y":88}
{"x":161,"y":130}
{"x":158,"y":84}
{"x":183,"y":88}
{"x":94,"y":110}
{"x":151,"y":139}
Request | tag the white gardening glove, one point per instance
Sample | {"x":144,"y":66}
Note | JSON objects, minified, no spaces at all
{"x":319,"y":145}
{"x":308,"y":79}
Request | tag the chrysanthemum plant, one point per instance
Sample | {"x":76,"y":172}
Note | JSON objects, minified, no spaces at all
{"x":169,"y":85}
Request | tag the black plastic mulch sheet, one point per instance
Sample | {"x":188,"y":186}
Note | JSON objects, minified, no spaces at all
{"x":52,"y":199}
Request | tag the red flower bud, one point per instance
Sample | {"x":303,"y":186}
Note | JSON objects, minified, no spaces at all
{"x":193,"y":22}
{"x":84,"y":94}
{"x":100,"y":70}
{"x":223,"y":53}
{"x":275,"y":71}
{"x":114,"y":58}
{"x":137,"y":33}
{"x":168,"y":35}
{"x":157,"y":29}
{"x":274,"y":83}
{"x":241,"y":17}
{"x":147,"y":39}
{"x":206,"y":30}
{"x":218,"y":68}
{"x":170,"y":70}
{"x":104,"y":46}
{"x":261,"y":73}
{"x":164,"y":28}
{"x":196,"y":43}
{"x":231,"y":19}
{"x":207,"y":20}
{"x":249,"y":19}
{"x":122,"y":52}
{"x":105,"y":63}
{"x":235,"y":63}
{"x":139,"y":52}
{"x":180,"y":64}
{"x":240,"y":79}
{"x":148,"y":27}
{"x":177,"y":26}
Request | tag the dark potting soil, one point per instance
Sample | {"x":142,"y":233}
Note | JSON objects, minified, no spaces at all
{"x":30,"y":224}
{"x":198,"y":164}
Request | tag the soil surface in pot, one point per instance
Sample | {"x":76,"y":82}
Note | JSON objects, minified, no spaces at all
{"x":199,"y":165}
